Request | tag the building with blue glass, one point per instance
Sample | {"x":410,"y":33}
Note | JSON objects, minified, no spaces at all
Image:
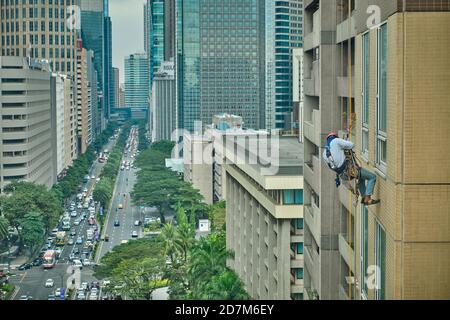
{"x":221,"y":61}
{"x":283,"y":34}
{"x":136,"y":81}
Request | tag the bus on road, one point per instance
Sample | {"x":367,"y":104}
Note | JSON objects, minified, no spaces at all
{"x":49,"y":259}
{"x":61,"y":238}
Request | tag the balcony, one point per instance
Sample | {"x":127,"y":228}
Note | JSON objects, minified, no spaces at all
{"x":297,"y":260}
{"x":312,"y":219}
{"x":346,"y":251}
{"x":343,"y":86}
{"x":312,"y":39}
{"x":311,"y":128}
{"x":346,"y":29}
{"x":347,"y":198}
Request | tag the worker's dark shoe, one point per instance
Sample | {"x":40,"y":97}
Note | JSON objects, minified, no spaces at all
{"x":371,"y":202}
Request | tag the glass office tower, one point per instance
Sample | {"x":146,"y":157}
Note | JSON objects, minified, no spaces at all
{"x":223,"y":61}
{"x":283,"y":34}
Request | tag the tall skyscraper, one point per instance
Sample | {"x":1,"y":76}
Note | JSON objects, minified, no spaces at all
{"x":108,"y":87}
{"x":163,"y":102}
{"x":283,"y":33}
{"x":39,"y":30}
{"x":154,"y":34}
{"x":116,"y":81}
{"x":136,"y":81}
{"x":222,"y":62}
{"x":371,"y":79}
{"x":93,"y":36}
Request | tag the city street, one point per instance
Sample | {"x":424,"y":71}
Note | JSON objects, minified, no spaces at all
{"x":127,"y":216}
{"x":32,"y":282}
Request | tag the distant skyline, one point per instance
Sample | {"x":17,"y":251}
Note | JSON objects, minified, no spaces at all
{"x":128,"y":30}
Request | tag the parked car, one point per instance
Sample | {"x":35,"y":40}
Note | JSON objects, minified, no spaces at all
{"x":49,"y":283}
{"x":134,"y":234}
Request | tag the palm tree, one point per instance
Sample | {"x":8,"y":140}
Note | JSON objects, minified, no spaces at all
{"x":226,"y":286}
{"x":168,"y":236}
{"x":208,"y":259}
{"x":185,"y":236}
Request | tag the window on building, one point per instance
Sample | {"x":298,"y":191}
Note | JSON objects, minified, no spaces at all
{"x":300,"y":248}
{"x":299,"y":273}
{"x":365,"y":94}
{"x":299,"y":223}
{"x":380,"y":259}
{"x":364,"y":249}
{"x":381,"y":147}
{"x":292,"y":197}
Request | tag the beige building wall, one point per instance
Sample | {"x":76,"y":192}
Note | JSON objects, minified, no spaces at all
{"x":25,"y":138}
{"x":198,"y":165}
{"x":83,"y":100}
{"x":70,"y":119}
{"x":415,"y":190}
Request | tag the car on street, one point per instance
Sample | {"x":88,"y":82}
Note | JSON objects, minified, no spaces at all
{"x":122,"y":168}
{"x":25,"y":266}
{"x":73,"y":214}
{"x":79,"y":206}
{"x":71,"y":208}
{"x":134,"y":234}
{"x":93,"y":296}
{"x":120,"y":206}
{"x":137,"y":223}
{"x":71,"y":257}
{"x":79,"y":240}
{"x":84,"y":285}
{"x":85,"y":190}
{"x":86,"y":251}
{"x":92,"y":177}
{"x":77,"y":264}
{"x":86,"y":262}
{"x":49,"y":283}
{"x":76,"y":222}
{"x":76,"y":250}
{"x":58,"y":292}
{"x":116,"y":223}
{"x":73,"y":232}
{"x":37,"y":262}
{"x":51,"y":297}
{"x":71,"y":241}
{"x":98,"y":179}
{"x":55,"y":231}
{"x":106,"y":238}
{"x":24,"y":297}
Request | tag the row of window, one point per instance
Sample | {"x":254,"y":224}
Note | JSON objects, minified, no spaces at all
{"x":35,"y":2}
{"x":381,"y":96}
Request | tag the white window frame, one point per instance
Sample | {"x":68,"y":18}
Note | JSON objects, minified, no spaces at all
{"x":378,"y":229}
{"x":364,"y":104}
{"x":362,"y":251}
{"x":381,"y":137}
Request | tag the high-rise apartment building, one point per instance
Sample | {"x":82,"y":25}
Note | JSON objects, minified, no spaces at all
{"x":283,"y":34}
{"x":221,"y":63}
{"x":108,"y":87}
{"x":26,"y":124}
{"x":39,"y":29}
{"x":136,"y":81}
{"x":369,"y":76}
{"x":70,"y":123}
{"x":265,"y":218}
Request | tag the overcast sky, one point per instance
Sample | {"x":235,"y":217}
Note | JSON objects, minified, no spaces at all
{"x":128,"y":33}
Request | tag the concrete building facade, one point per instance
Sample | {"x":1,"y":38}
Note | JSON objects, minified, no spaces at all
{"x":264,"y":218}
{"x":369,"y":77}
{"x":26,"y":122}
